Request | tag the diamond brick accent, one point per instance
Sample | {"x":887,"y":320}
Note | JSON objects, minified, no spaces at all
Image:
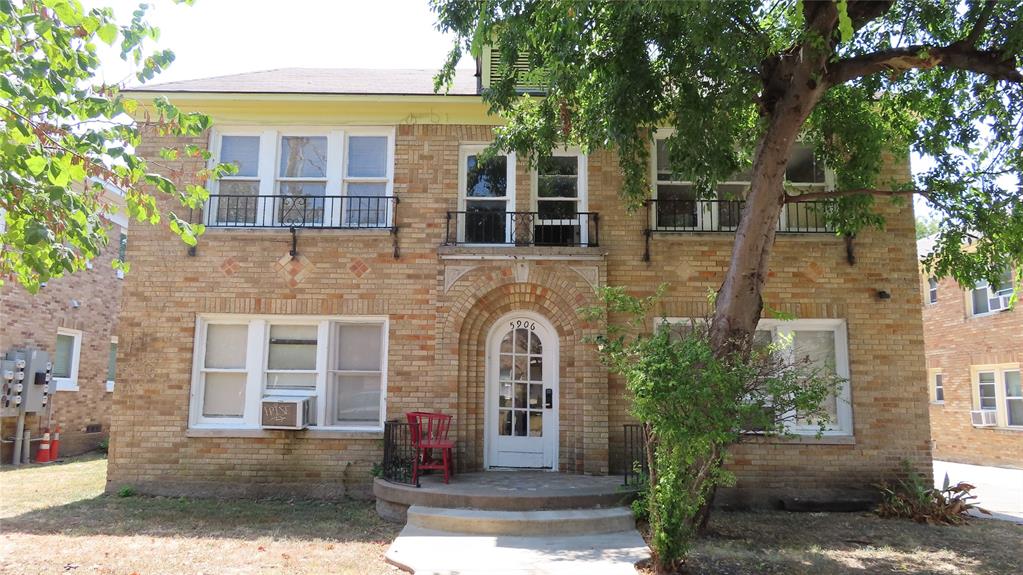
{"x":294,"y":269}
{"x":358,"y":267}
{"x":230,"y":266}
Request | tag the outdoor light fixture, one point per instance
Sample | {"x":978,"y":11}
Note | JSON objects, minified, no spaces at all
{"x":882,"y":294}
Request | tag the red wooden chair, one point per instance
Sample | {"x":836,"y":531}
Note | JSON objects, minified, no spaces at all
{"x":429,"y":431}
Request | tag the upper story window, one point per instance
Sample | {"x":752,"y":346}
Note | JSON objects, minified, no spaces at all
{"x":937,"y":385}
{"x":677,"y":207}
{"x":486,"y":197}
{"x":986,"y":298}
{"x":932,"y":290}
{"x":560,"y":200}
{"x":310,"y":177}
{"x":341,"y":362}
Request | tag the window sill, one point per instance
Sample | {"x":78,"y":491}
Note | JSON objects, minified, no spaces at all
{"x":301,"y":434}
{"x":801,"y":439}
{"x":65,"y":385}
{"x":938,"y":403}
{"x":110,"y":387}
{"x":503,"y":252}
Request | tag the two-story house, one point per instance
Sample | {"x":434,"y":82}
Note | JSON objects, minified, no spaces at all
{"x":365,"y":257}
{"x":973,"y":339}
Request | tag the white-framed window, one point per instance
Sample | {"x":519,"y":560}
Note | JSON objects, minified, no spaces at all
{"x":825,"y":343}
{"x":932,"y":290}
{"x":304,"y":176}
{"x":936,"y":383}
{"x":998,"y":388}
{"x":486,"y":197}
{"x":677,"y":207}
{"x":339,"y":361}
{"x":987,"y":299}
{"x":112,"y":364}
{"x":560,"y":199}
{"x":65,"y":359}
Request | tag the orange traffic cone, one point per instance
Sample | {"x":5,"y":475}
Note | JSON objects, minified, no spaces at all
{"x":55,"y":445}
{"x":43,"y":453}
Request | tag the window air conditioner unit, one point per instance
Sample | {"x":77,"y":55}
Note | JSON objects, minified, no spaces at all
{"x":984,"y":418}
{"x":286,"y":412}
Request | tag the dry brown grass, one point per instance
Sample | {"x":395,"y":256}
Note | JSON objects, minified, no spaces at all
{"x":55,"y":519}
{"x":853,"y":543}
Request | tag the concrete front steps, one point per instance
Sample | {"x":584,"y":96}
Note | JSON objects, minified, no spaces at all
{"x":525,"y":523}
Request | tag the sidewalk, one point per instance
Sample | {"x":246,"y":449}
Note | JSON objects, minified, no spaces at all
{"x":999,"y":490}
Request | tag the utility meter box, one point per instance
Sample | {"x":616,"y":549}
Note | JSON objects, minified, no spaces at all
{"x":25,"y":380}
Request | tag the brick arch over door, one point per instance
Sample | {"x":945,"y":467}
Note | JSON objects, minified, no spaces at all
{"x":491,"y":292}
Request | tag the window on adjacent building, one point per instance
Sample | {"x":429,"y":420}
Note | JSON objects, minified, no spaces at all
{"x":486,"y":198}
{"x":986,"y":298}
{"x":932,"y":290}
{"x":679,"y":208}
{"x":305,"y":177}
{"x":112,"y":364}
{"x":998,"y":388}
{"x":338,"y":361}
{"x":937,"y":384}
{"x":65,"y":359}
{"x":561,"y":201}
{"x":824,"y":343}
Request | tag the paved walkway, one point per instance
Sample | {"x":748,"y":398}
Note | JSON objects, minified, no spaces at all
{"x":426,"y":551}
{"x":999,"y":490}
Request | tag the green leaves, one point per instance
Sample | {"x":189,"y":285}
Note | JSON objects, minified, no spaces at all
{"x":845,"y":26}
{"x":60,"y":135}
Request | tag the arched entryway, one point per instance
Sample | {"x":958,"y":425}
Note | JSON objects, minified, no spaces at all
{"x":521,"y":393}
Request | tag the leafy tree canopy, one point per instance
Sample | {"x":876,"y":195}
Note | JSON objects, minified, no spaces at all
{"x":62,"y":134}
{"x":940,"y":77}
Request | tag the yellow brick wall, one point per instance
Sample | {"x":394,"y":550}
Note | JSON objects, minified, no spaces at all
{"x":442,"y":300}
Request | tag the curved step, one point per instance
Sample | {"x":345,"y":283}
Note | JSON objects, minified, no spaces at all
{"x":531,"y":523}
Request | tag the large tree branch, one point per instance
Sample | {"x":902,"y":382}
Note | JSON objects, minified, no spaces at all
{"x":986,"y":10}
{"x":992,"y":63}
{"x":813,"y":196}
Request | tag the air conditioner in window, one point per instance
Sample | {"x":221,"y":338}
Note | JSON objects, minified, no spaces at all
{"x":984,"y":418}
{"x":286,"y":412}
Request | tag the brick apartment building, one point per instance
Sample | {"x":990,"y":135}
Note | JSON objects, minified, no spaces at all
{"x":73,"y":319}
{"x":974,"y":345}
{"x":363,"y":257}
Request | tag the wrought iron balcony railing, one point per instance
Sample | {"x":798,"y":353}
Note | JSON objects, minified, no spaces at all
{"x":723,"y":216}
{"x":284,"y":211}
{"x":522,"y":229}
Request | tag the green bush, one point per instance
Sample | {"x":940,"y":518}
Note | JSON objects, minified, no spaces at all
{"x":127,"y":491}
{"x":693,"y":404}
{"x":104,"y":446}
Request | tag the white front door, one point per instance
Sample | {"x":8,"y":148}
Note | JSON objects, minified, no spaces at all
{"x":522,"y":393}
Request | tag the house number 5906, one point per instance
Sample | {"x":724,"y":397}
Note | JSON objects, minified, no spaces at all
{"x":525,"y":324}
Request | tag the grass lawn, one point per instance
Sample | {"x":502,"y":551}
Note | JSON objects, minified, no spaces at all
{"x":55,"y":519}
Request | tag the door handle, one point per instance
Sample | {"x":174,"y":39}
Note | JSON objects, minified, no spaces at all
{"x":548,"y":398}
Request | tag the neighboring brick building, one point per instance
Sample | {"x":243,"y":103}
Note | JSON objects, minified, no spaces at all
{"x":78,"y":314}
{"x":419,"y":304}
{"x":974,"y":347}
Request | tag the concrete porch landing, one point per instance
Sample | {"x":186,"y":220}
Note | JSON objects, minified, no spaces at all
{"x":503,"y":491}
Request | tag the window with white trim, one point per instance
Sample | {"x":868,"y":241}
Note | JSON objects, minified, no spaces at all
{"x":339,"y":361}
{"x":987,"y":299}
{"x":932,"y":290}
{"x":936,"y":381}
{"x":997,"y":388}
{"x":66,"y":357}
{"x":679,"y":208}
{"x":824,"y":342}
{"x":304,"y":176}
{"x":112,"y":363}
{"x":560,"y":199}
{"x":486,"y":197}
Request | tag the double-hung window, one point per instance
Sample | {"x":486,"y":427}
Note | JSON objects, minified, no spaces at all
{"x":932,"y":290}
{"x":560,"y":200}
{"x":986,"y":298}
{"x":340,"y":362}
{"x":307,"y":177}
{"x":65,"y":359}
{"x":678,"y":208}
{"x":821,"y":342}
{"x":486,"y":197}
{"x":936,"y":383}
{"x":998,"y":388}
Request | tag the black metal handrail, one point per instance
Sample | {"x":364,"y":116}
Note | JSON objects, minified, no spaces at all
{"x":634,"y":460}
{"x":723,"y":216}
{"x":398,"y":452}
{"x":522,"y":229}
{"x":286,"y":211}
